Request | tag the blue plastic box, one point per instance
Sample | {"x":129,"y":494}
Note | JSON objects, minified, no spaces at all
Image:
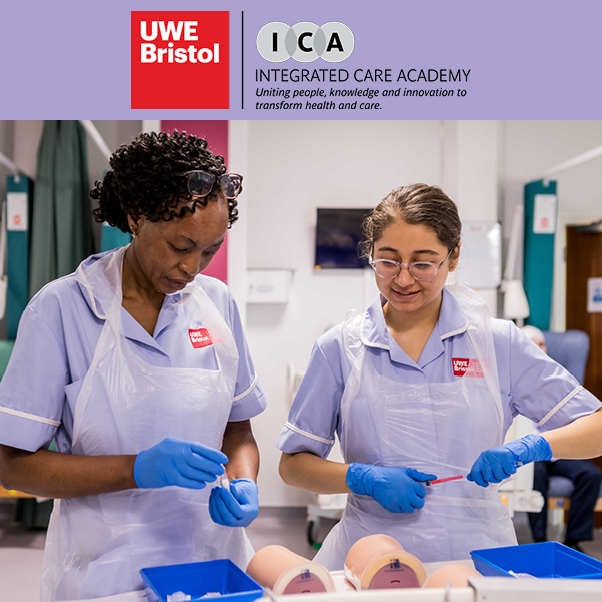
{"x":198,"y":578}
{"x":549,"y":560}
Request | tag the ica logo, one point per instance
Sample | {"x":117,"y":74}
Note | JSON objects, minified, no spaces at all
{"x":305,"y":42}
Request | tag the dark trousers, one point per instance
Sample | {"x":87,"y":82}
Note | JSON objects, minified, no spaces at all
{"x":586,"y":478}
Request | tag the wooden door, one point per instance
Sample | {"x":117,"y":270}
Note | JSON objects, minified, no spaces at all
{"x":583,"y":261}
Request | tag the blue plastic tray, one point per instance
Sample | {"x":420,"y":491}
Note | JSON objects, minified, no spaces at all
{"x":198,"y":578}
{"x":550,"y":560}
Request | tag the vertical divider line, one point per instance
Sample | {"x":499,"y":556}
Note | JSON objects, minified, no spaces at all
{"x":242,"y":62}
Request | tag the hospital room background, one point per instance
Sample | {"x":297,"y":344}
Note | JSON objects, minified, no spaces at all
{"x":529,"y":195}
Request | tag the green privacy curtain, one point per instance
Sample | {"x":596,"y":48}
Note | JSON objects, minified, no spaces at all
{"x":19,"y":195}
{"x":111,"y":238}
{"x":538,"y":268}
{"x":61,"y":223}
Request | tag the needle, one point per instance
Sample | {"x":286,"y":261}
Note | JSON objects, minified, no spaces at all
{"x":456,"y":478}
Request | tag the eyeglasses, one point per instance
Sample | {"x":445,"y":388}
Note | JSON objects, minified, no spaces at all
{"x":201,"y":183}
{"x":419,"y":270}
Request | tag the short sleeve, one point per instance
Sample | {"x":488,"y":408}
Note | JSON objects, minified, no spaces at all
{"x":314,"y":415}
{"x":32,"y":391}
{"x":249,"y":397}
{"x":541,"y":389}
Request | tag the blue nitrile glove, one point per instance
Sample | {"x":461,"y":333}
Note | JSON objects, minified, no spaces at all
{"x":236,"y":507}
{"x":499,"y":463}
{"x":180,"y":463}
{"x":396,"y":489}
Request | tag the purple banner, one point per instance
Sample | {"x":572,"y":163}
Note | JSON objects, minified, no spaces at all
{"x":443,"y":59}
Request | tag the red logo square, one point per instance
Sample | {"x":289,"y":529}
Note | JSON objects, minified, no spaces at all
{"x":200,"y":337}
{"x":467,"y":367}
{"x":180,"y":59}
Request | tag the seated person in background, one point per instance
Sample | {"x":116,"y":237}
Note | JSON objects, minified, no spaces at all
{"x":585,"y":476}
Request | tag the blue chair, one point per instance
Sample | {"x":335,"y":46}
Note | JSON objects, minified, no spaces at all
{"x":570,"y":349}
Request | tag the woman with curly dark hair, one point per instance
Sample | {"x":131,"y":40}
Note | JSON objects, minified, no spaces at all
{"x":138,"y":368}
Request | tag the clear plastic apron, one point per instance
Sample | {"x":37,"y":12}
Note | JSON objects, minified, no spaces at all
{"x":434,"y":428}
{"x":97,"y":544}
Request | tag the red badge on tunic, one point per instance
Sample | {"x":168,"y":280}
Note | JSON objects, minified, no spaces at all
{"x":463,"y":366}
{"x":200,"y":337}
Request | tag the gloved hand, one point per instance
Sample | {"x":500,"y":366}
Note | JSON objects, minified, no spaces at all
{"x":499,"y":463}
{"x":396,"y":489}
{"x":180,"y":463}
{"x":237,"y":506}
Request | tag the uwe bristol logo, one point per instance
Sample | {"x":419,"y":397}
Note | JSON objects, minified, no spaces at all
{"x":180,"y":60}
{"x":305,"y":42}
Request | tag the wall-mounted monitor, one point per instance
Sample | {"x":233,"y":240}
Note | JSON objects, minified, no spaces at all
{"x":338,"y":237}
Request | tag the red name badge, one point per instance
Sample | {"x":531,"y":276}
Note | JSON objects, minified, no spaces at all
{"x":200,"y":337}
{"x":463,"y":366}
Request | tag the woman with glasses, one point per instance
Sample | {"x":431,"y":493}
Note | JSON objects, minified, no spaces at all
{"x":423,"y":386}
{"x":137,"y":366}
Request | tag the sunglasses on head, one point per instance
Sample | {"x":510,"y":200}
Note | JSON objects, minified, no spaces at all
{"x":201,"y":183}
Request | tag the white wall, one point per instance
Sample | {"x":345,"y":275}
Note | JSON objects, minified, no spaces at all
{"x":473,"y":150}
{"x":26,"y":141}
{"x":293,"y":167}
{"x":238,"y":143}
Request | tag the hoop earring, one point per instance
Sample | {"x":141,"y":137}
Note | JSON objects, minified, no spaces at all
{"x":134,"y":235}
